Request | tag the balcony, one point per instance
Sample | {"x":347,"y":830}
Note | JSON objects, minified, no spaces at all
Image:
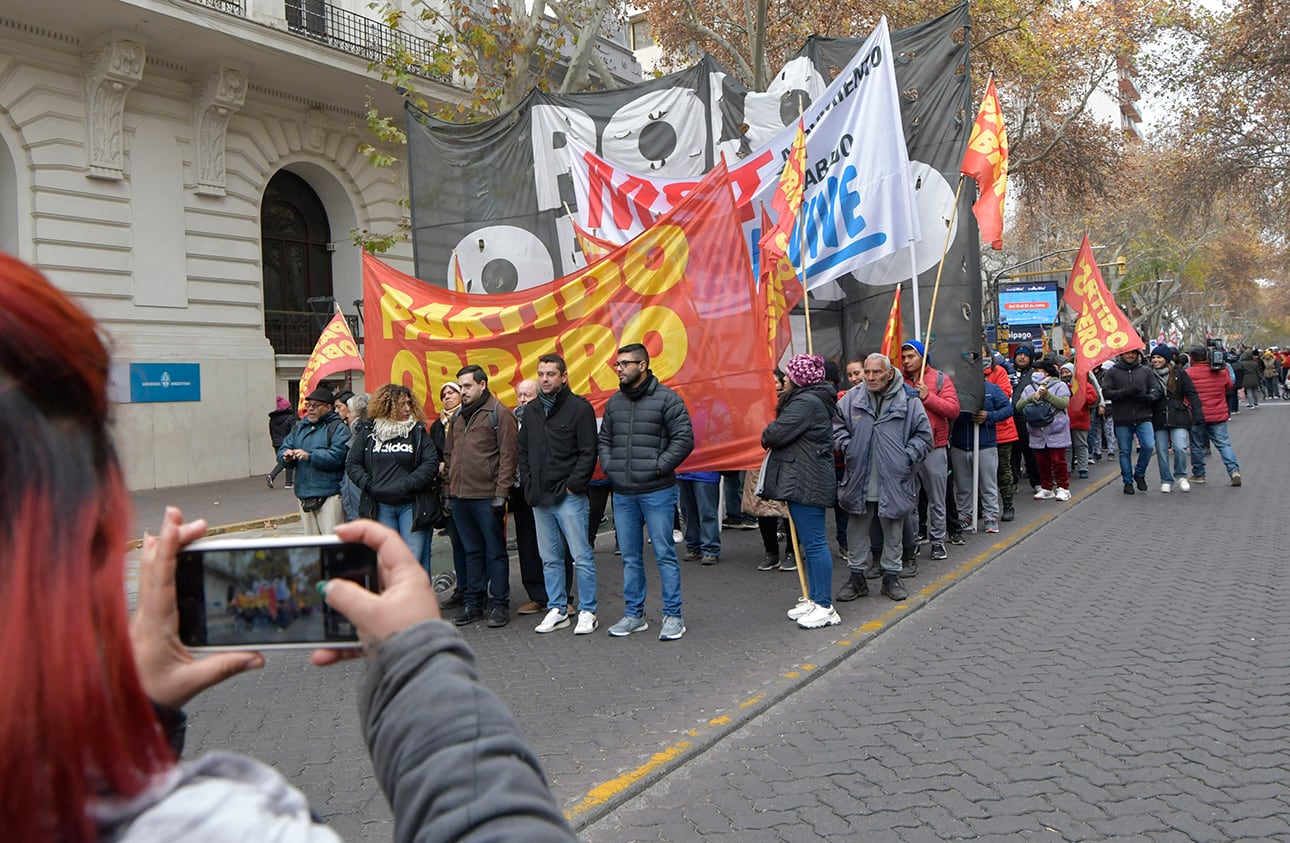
{"x":352,"y":33}
{"x":296,"y":332}
{"x":232,"y":7}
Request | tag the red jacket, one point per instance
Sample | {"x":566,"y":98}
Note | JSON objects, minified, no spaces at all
{"x":1082,"y":399}
{"x":1212,"y":385}
{"x":1005,"y":431}
{"x":942,"y":405}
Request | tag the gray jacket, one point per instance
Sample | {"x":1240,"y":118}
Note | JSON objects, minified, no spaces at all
{"x":898,"y":440}
{"x":447,"y":753}
{"x":800,"y":439}
{"x":642,"y":442}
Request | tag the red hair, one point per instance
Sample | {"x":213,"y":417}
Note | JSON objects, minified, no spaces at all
{"x":74,"y":720}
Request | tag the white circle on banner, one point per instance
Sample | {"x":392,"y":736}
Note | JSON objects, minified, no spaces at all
{"x":934,"y":199}
{"x":501,"y":259}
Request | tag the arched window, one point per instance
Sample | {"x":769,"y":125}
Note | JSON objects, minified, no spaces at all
{"x":294,"y":236}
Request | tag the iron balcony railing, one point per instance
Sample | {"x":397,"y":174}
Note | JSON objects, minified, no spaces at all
{"x":296,"y":332}
{"x":233,"y":7}
{"x":351,"y":32}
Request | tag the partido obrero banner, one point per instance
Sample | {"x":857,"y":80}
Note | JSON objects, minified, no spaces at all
{"x":858,"y":203}
{"x":670,"y":289}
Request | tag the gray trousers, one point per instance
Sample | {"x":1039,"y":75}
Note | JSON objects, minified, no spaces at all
{"x":988,"y":469}
{"x":1077,"y":453}
{"x":932,"y":475}
{"x":891,"y":539}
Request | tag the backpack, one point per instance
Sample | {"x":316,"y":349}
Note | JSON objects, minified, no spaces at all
{"x":1040,"y":413}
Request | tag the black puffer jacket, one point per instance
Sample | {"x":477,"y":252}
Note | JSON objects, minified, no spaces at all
{"x":280,"y":424}
{"x":557,"y":450}
{"x":800,"y":440}
{"x":643,"y":441}
{"x":1133,"y":392}
{"x":1179,"y":408}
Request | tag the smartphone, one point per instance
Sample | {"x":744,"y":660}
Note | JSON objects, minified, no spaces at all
{"x":256,"y":594}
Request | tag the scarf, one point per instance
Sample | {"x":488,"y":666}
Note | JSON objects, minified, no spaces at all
{"x":634,"y":393}
{"x":385,"y":430}
{"x":468,"y":410}
{"x":548,"y":402}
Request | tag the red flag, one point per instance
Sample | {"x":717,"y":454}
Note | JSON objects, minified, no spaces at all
{"x":334,"y":352}
{"x":456,"y":273}
{"x":1102,"y":330}
{"x":787,"y":200}
{"x":779,"y":289}
{"x":593,"y":248}
{"x":986,"y":161}
{"x":891,"y":336}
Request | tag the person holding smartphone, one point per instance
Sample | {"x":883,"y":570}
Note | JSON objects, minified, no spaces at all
{"x":91,"y":697}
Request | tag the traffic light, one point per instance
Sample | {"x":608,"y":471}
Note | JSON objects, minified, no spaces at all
{"x":1121,"y":264}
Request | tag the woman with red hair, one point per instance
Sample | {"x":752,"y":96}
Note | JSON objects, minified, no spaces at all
{"x":89,"y":704}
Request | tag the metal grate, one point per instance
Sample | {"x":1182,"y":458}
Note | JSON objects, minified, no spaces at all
{"x":351,"y":32}
{"x":233,"y":7}
{"x":296,"y":332}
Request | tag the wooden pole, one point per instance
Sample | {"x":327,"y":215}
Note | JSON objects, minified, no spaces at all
{"x":797,"y":554}
{"x":931,"y":313}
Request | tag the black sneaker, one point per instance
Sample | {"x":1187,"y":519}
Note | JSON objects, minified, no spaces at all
{"x":1009,"y":513}
{"x":909,"y":569}
{"x":1142,"y":483}
{"x":455,"y":601}
{"x":1128,"y":489}
{"x":468,"y":615}
{"x":957,"y":538}
{"x":891,"y":587}
{"x":873,"y":570}
{"x":938,"y":551}
{"x":498,"y":616}
{"x":770,"y":563}
{"x":853,"y":588}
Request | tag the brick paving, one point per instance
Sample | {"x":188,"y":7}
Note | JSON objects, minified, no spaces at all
{"x":1014,"y":696}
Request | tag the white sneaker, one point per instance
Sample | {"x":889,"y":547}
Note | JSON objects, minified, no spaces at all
{"x":1063,"y":494}
{"x":555,"y":619}
{"x":587,"y":623}
{"x":1044,"y":494}
{"x":802,"y":609}
{"x":818,"y":617}
{"x":1166,"y":488}
{"x":1183,"y":485}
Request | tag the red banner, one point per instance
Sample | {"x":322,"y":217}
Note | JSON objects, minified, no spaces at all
{"x":892,"y":335}
{"x":986,"y":161}
{"x":334,"y":352}
{"x":674,"y":288}
{"x":1102,"y":330}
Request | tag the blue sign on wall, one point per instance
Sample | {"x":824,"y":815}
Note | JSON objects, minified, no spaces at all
{"x":1028,"y":304}
{"x":153,"y":383}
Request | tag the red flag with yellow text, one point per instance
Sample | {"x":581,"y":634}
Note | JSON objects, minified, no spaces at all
{"x":986,"y":161}
{"x":787,"y":199}
{"x":334,"y":352}
{"x":779,"y":289}
{"x":1102,"y":330}
{"x":593,"y":248}
{"x":895,"y":330}
{"x":676,"y":288}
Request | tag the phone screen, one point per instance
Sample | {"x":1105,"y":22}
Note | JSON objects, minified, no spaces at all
{"x":254,"y":594}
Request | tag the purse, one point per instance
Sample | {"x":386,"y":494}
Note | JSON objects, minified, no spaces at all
{"x":427,"y":512}
{"x":312,"y":504}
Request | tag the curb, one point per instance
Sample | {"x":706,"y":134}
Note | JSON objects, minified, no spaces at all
{"x":605,"y":798}
{"x":240,"y":526}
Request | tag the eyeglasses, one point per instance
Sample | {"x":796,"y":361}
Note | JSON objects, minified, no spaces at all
{"x":309,"y":405}
{"x":623,"y":364}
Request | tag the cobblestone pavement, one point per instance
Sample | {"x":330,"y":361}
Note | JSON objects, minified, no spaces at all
{"x":1120,"y":674}
{"x":1011,"y":689}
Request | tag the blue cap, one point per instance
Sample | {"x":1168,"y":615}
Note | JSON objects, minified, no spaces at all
{"x":916,"y":345}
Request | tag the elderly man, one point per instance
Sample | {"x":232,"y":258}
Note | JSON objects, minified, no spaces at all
{"x":884,"y":435}
{"x":317,"y":446}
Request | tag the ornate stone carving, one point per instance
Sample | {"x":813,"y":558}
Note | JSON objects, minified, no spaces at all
{"x":111,"y":71}
{"x":218,"y":96}
{"x":314,"y":136}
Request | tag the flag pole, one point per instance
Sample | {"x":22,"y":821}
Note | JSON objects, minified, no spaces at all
{"x":913,"y":280}
{"x":797,"y":556}
{"x":931,"y":313}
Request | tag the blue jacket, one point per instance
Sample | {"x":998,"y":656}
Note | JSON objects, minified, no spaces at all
{"x":319,"y":476}
{"x":997,"y":408}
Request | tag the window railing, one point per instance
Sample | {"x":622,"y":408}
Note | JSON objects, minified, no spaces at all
{"x":233,"y":7}
{"x":296,"y":332}
{"x":351,"y":32}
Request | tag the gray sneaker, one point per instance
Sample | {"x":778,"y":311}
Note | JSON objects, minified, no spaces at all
{"x":628,"y":625}
{"x":673,"y":628}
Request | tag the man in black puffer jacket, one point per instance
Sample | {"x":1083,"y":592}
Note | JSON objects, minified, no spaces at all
{"x":1133,"y":392}
{"x":644,"y":435}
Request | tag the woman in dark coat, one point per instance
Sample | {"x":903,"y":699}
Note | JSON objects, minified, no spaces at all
{"x":799,"y":471}
{"x":281,"y":421}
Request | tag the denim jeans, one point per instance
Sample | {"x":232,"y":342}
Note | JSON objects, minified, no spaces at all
{"x":1124,"y":434}
{"x":699,"y":502}
{"x":814,"y":543}
{"x":566,"y":522}
{"x":1177,"y":436}
{"x":653,"y":511}
{"x":483,"y":539}
{"x":1215,"y":432}
{"x":399,"y":517}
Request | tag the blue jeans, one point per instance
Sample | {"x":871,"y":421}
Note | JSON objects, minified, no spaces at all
{"x":399,"y":517}
{"x":483,"y":539}
{"x":1177,"y":436}
{"x":1146,"y":435}
{"x":566,"y":522}
{"x":699,"y":502}
{"x":1216,"y":433}
{"x":653,"y":511}
{"x":814,"y":542}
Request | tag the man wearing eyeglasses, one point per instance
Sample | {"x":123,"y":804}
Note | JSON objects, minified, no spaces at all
{"x":317,"y":446}
{"x":644,"y":435}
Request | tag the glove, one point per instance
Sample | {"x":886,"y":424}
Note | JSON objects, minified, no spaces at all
{"x":499,"y":505}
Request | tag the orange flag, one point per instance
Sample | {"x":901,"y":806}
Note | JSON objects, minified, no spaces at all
{"x":787,"y":200}
{"x":456,"y":273}
{"x":779,"y":289}
{"x":1102,"y":330}
{"x":986,"y":160}
{"x":334,"y":352}
{"x":895,"y":330}
{"x":593,"y":248}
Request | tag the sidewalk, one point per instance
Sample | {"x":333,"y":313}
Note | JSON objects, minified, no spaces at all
{"x":227,"y":505}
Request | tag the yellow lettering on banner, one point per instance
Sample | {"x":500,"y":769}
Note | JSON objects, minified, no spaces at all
{"x":1118,"y":340}
{"x":441,"y":367}
{"x":674,"y":339}
{"x":1108,"y":321}
{"x":428,"y":319}
{"x":348,"y":347}
{"x":1082,"y":281}
{"x":529,"y":352}
{"x":499,"y":364}
{"x":406,"y":369}
{"x":332,"y":352}
{"x":547,"y":309}
{"x":656,"y":260}
{"x":589,"y":351}
{"x":395,"y":306}
{"x":512,"y":319}
{"x":574,"y":294}
{"x":471,"y":320}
